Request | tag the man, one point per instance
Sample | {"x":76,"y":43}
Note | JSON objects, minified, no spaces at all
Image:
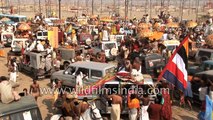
{"x":137,"y":70}
{"x":134,"y":107}
{"x":83,"y":106}
{"x":35,"y":90}
{"x":7,"y":95}
{"x":154,"y":110}
{"x":116,"y":102}
{"x":66,"y":108}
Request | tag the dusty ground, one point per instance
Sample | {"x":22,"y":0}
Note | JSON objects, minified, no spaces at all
{"x":44,"y":102}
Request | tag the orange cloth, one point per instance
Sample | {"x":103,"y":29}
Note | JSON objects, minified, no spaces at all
{"x":2,"y":53}
{"x":134,"y":103}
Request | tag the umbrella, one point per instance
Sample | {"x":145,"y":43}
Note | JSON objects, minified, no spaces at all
{"x":209,"y":40}
{"x":172,"y":25}
{"x":5,"y":19}
{"x":106,"y":20}
{"x":191,"y":24}
{"x":145,"y":33}
{"x":156,"y":35}
{"x":24,"y":26}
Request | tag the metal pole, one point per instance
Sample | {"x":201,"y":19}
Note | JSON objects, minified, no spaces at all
{"x":18,"y":7}
{"x":197,"y":10}
{"x":182,"y":2}
{"x":34,"y":6}
{"x":150,"y":8}
{"x":59,"y":5}
{"x":78,"y":7}
{"x":126,"y":9}
{"x":131,"y":9}
{"x":92,"y":7}
{"x":114,"y":6}
{"x":119,"y":7}
{"x":101,"y":6}
{"x":39,"y":6}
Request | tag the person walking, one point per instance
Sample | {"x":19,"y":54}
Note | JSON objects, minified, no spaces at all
{"x":134,"y":107}
{"x":144,"y":114}
{"x":35,"y":89}
{"x":154,"y":110}
{"x":12,"y":70}
{"x":116,"y":102}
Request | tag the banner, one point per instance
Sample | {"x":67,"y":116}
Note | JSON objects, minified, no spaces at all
{"x":53,"y":37}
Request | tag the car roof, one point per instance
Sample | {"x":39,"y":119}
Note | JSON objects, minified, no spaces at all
{"x":92,"y":65}
{"x":147,"y":81}
{"x":208,"y":62}
{"x":208,"y":73}
{"x":25,"y":103}
{"x":205,"y":49}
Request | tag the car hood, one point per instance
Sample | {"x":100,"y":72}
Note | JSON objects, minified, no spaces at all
{"x":193,"y":69}
{"x":60,"y":72}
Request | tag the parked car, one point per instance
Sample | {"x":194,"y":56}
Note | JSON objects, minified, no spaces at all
{"x":42,"y":35}
{"x":171,"y":44}
{"x":68,"y":55}
{"x":6,"y":38}
{"x":17,"y":45}
{"x":94,"y":70}
{"x":152,"y":63}
{"x":110,"y":49}
{"x":203,"y":55}
{"x":118,"y":86}
{"x":206,"y":65}
{"x":31,"y":64}
{"x":24,"y":109}
{"x":196,"y":83}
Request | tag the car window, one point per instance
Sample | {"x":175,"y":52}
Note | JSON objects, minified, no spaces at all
{"x":109,"y":46}
{"x":211,"y":67}
{"x":83,"y":70}
{"x":70,"y":70}
{"x":44,"y":33}
{"x":96,"y":74}
{"x":204,"y":53}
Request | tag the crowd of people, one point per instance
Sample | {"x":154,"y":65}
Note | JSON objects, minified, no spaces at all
{"x":135,"y":42}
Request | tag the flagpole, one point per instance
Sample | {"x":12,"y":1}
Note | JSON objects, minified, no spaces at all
{"x":170,"y":59}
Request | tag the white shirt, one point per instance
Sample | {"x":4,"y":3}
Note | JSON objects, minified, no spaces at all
{"x":165,"y":36}
{"x":137,"y":74}
{"x":79,"y":80}
{"x":40,"y":47}
{"x":105,"y":35}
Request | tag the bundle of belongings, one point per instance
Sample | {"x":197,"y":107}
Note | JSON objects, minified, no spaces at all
{"x":7,"y":94}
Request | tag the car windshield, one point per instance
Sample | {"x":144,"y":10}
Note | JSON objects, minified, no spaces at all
{"x":110,"y":70}
{"x":70,"y":70}
{"x":109,"y":46}
{"x":170,"y":48}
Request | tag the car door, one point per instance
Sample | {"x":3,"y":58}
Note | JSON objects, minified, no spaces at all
{"x":68,"y":77}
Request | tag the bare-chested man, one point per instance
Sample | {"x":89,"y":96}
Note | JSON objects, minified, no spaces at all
{"x":35,"y":89}
{"x":116,"y":106}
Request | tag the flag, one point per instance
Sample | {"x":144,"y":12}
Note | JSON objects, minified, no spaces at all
{"x":176,"y":69}
{"x":208,"y":112}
